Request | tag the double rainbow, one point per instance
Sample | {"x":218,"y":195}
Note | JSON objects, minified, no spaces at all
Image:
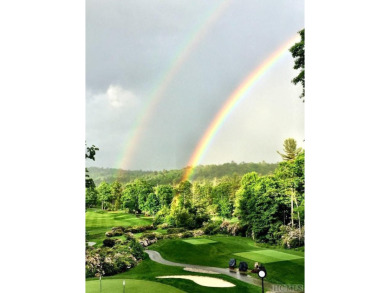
{"x":231,"y":103}
{"x":181,"y":55}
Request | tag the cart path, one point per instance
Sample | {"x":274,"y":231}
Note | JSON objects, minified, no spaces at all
{"x":156,"y":256}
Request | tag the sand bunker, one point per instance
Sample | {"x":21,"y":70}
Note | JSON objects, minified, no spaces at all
{"x":203,"y":281}
{"x":91,"y":243}
{"x":195,"y":270}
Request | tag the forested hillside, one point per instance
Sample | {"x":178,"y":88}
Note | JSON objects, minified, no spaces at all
{"x":207,"y":172}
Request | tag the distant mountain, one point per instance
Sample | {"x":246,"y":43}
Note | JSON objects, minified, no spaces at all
{"x":202,"y":172}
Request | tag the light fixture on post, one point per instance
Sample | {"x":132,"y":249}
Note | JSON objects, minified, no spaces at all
{"x":262,"y":275}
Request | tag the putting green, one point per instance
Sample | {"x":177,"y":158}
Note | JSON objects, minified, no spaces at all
{"x":267,"y":256}
{"x":199,"y":241}
{"x":131,"y":285}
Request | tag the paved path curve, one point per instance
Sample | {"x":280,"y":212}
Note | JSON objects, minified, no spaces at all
{"x":156,"y":256}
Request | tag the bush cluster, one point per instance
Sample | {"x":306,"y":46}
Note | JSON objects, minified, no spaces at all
{"x":139,"y":229}
{"x":108,"y":242}
{"x":149,"y":236}
{"x":107,"y":261}
{"x":175,"y":230}
{"x":292,"y":237}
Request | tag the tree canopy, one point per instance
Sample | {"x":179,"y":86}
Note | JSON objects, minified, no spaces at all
{"x":290,"y":149}
{"x":298,"y":52}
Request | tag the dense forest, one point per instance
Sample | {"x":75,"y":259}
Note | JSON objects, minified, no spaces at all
{"x":208,"y":172}
{"x":267,"y":206}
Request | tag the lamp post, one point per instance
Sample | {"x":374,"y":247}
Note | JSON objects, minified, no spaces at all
{"x":124,"y":283}
{"x":262,"y":275}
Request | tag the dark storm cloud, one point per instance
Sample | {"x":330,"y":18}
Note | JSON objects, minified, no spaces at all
{"x":129,"y":46}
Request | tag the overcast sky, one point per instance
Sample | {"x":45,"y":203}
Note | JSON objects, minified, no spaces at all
{"x":130,"y":45}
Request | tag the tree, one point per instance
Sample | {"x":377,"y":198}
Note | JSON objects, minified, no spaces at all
{"x":291,"y":175}
{"x":184,"y":194}
{"x":164,"y":194}
{"x":298,"y":52}
{"x":104,"y":193}
{"x":130,"y":198}
{"x":261,"y":206}
{"x":90,"y":197}
{"x":90,"y":153}
{"x":116,"y":194}
{"x":290,"y":149}
{"x":142,"y":189}
{"x":152,"y":204}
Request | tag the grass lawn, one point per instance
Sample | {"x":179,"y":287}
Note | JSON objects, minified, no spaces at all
{"x":148,"y":270}
{"x":98,"y":222}
{"x":140,"y":286}
{"x":267,"y":256}
{"x":196,"y":241}
{"x":283,"y":266}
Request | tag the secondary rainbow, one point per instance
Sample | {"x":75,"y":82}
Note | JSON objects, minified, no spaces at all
{"x":165,"y":80}
{"x":231,"y":103}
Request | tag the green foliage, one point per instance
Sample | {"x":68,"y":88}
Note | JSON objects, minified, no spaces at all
{"x":164,"y":194}
{"x":298,"y":52}
{"x":173,"y":177}
{"x":137,"y":249}
{"x":184,"y":194}
{"x":116,"y":194}
{"x":90,"y":153}
{"x":292,"y":237}
{"x":109,"y":259}
{"x":175,"y":230}
{"x":104,"y":194}
{"x":149,"y":235}
{"x":91,"y":197}
{"x":152,"y":204}
{"x":109,"y":242}
{"x":142,"y":190}
{"x":212,"y":228}
{"x":290,"y":149}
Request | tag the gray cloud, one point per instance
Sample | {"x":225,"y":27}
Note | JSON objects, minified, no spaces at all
{"x":129,"y":47}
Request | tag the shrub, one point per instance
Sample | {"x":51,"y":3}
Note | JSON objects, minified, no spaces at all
{"x":129,"y":236}
{"x":109,"y":234}
{"x":198,"y":232}
{"x":235,"y":229}
{"x":137,"y":250}
{"x":118,"y":231}
{"x":109,"y":242}
{"x":175,"y":230}
{"x":212,"y":228}
{"x":187,"y":234}
{"x":139,"y":229}
{"x":224,"y":227}
{"x":172,"y":236}
{"x":200,"y":219}
{"x":164,"y":226}
{"x":150,"y":227}
{"x":149,"y":236}
{"x":292,"y":237}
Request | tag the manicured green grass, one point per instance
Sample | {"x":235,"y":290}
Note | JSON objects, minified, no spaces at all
{"x":267,"y":256}
{"x":140,"y":286}
{"x":195,"y":241}
{"x":98,"y":222}
{"x":283,"y":271}
{"x":149,"y":270}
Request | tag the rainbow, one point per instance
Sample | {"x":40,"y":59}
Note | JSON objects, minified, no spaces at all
{"x":231,"y":103}
{"x":166,"y":78}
